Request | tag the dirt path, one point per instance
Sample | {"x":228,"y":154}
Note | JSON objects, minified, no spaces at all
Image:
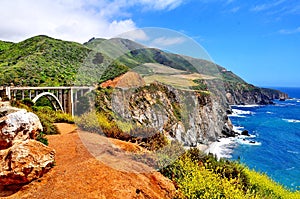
{"x":78,"y":174}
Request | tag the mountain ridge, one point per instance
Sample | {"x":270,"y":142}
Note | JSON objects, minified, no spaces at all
{"x":53,"y":62}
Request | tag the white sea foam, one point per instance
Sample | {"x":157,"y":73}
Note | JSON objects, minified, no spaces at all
{"x":223,"y":148}
{"x":291,"y":120}
{"x":236,"y":115}
{"x":248,"y":142}
{"x":268,"y":112}
{"x":238,"y":129}
{"x":293,"y":152}
{"x":248,"y":105}
{"x":240,"y":113}
{"x":291,"y":168}
{"x":246,"y":136}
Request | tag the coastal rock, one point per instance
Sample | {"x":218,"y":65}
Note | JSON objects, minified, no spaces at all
{"x":189,"y":117}
{"x":241,"y":94}
{"x":17,"y":125}
{"x":24,"y":162}
{"x":245,"y":132}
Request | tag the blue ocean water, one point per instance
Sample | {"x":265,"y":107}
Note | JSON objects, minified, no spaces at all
{"x":275,"y":146}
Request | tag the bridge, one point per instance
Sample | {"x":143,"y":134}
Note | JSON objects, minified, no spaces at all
{"x":62,"y":98}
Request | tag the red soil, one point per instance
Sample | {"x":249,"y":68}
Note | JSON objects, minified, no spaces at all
{"x":78,"y":174}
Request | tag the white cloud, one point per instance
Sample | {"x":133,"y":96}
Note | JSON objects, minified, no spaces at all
{"x":267,"y":6}
{"x":160,"y":4}
{"x":167,"y":41}
{"x":289,"y":31}
{"x":235,"y":9}
{"x":76,"y":20}
{"x":135,"y":35}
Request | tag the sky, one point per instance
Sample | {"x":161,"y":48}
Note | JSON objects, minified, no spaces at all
{"x":257,"y":40}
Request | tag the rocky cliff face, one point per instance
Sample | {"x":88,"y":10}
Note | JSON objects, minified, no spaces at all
{"x":188,"y":116}
{"x":239,"y":94}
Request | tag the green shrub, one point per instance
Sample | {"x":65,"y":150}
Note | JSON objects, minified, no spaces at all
{"x":197,"y":175}
{"x":42,"y":138}
{"x":195,"y":181}
{"x":28,"y":102}
{"x":46,"y":115}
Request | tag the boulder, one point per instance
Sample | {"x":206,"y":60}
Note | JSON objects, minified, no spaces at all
{"x":228,"y":131}
{"x":17,"y":125}
{"x":24,"y":162}
{"x":245,"y":132}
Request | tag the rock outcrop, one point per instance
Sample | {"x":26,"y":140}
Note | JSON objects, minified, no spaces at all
{"x":188,"y":116}
{"x":128,"y":80}
{"x":239,"y":94}
{"x":17,"y":125}
{"x":24,"y":162}
{"x":22,"y":159}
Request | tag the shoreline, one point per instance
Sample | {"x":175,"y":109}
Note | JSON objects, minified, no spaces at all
{"x":225,"y":146}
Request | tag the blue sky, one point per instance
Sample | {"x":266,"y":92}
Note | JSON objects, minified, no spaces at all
{"x":258,"y":40}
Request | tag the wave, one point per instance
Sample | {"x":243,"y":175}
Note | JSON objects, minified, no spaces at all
{"x":238,"y":129}
{"x":223,"y":148}
{"x":236,"y":115}
{"x":269,"y":112}
{"x":293,"y":99}
{"x":249,"y":142}
{"x":293,"y":152}
{"x":246,"y":136}
{"x":240,"y":113}
{"x":247,"y":106}
{"x":291,"y":168}
{"x":291,"y":120}
{"x":285,"y":104}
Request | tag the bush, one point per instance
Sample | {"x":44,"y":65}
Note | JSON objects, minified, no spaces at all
{"x":195,"y":181}
{"x":46,"y":115}
{"x":28,"y":102}
{"x":197,"y":175}
{"x":99,"y":123}
{"x":148,"y":138}
{"x":42,"y":138}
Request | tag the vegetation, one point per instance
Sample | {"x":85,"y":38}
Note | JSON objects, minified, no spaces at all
{"x":104,"y":124}
{"x":43,"y":61}
{"x":47,"y":61}
{"x":197,"y":175}
{"x":46,"y":115}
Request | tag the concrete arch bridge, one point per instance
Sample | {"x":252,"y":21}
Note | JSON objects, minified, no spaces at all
{"x":62,"y":98}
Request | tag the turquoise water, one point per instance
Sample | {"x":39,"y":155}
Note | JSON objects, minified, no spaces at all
{"x":275,"y":148}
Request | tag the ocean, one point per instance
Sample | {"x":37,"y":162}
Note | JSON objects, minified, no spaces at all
{"x":273,"y":146}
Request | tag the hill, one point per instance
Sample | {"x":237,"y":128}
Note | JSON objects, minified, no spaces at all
{"x":40,"y":61}
{"x":44,"y":61}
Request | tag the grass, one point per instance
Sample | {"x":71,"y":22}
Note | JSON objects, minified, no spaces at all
{"x":180,"y":83}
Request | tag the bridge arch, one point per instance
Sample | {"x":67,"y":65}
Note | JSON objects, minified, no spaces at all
{"x":49,"y":96}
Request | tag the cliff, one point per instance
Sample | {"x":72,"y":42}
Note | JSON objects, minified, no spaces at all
{"x":240,"y":94}
{"x":191,"y":117}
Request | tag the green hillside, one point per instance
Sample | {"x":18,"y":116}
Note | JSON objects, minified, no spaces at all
{"x":40,"y":61}
{"x":44,"y":61}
